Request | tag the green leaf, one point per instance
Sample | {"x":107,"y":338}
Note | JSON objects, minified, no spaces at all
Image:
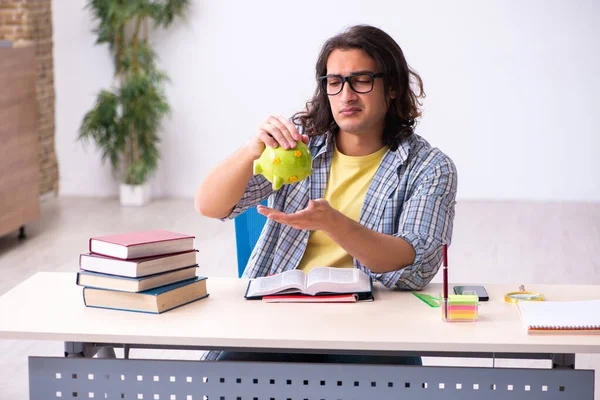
{"x":146,"y":58}
{"x":167,"y":11}
{"x":101,"y":125}
{"x":144,"y":106}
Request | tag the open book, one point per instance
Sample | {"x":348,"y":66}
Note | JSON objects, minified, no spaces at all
{"x":561,"y":317}
{"x":318,"y":281}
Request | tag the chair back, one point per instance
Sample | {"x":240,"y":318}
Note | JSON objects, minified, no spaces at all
{"x":248,"y":227}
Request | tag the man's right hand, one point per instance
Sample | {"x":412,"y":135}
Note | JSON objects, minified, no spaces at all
{"x":274,"y":131}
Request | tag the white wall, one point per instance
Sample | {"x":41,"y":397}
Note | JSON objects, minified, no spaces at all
{"x":513,"y":87}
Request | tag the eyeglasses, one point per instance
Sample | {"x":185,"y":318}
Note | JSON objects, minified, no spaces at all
{"x":361,"y":82}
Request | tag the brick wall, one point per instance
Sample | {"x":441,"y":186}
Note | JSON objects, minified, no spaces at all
{"x":30,"y":21}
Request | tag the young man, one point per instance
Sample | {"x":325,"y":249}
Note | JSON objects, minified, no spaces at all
{"x":380,"y":197}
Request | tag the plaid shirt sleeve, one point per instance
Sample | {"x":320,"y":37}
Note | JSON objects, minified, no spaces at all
{"x":426,"y":223}
{"x":258,"y":189}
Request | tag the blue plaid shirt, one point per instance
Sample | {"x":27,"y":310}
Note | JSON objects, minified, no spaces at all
{"x":411,"y":196}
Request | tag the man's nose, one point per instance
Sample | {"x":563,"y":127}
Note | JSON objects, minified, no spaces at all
{"x":348,"y":95}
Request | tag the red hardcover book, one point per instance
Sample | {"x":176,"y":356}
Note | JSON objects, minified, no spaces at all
{"x":141,"y":244}
{"x":298,"y":298}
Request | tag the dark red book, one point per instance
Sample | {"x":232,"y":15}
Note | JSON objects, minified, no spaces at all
{"x":126,"y":246}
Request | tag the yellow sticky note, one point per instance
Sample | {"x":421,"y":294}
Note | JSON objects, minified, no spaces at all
{"x":463,"y":298}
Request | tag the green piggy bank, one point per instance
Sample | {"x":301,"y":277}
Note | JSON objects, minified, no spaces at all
{"x":282,"y":167}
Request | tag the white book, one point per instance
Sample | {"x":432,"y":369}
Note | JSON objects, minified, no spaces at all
{"x":138,"y":267}
{"x":318,"y":281}
{"x":126,"y":284}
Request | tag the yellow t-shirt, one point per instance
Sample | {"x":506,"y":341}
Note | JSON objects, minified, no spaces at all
{"x":349,"y":179}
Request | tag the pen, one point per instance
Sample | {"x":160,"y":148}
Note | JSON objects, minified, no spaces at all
{"x":445,"y":261}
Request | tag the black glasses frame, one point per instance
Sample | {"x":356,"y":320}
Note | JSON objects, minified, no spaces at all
{"x":323,"y":81}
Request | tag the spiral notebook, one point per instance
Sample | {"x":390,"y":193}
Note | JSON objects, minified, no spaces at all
{"x":561,"y":317}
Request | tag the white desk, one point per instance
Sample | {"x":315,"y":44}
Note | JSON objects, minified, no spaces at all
{"x":49,"y":306}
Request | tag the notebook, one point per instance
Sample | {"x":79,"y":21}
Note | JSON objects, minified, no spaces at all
{"x":561,"y":317}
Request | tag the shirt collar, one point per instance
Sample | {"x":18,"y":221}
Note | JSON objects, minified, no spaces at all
{"x":400,"y":154}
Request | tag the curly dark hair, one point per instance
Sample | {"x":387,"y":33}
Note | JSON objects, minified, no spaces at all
{"x":403,"y":110}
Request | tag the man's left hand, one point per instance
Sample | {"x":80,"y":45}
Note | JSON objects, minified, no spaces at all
{"x":318,"y":216}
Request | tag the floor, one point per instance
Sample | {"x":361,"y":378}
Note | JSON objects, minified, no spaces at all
{"x":494,"y":242}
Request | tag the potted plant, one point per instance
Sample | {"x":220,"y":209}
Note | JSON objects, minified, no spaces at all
{"x":125,"y":119}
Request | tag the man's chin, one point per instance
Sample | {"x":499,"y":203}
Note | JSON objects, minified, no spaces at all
{"x":354,"y":129}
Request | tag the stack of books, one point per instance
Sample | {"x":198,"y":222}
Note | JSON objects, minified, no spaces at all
{"x":151,"y":271}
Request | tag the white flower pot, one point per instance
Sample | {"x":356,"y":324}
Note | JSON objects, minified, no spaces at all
{"x":134,"y":195}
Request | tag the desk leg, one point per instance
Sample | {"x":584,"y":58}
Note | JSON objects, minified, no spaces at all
{"x":563,"y":361}
{"x":88,"y":350}
{"x":79,"y":349}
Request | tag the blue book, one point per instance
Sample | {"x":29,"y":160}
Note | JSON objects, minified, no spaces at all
{"x":153,"y":301}
{"x":128,"y":284}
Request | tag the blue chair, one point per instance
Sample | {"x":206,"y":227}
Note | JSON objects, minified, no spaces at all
{"x":248,"y":227}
